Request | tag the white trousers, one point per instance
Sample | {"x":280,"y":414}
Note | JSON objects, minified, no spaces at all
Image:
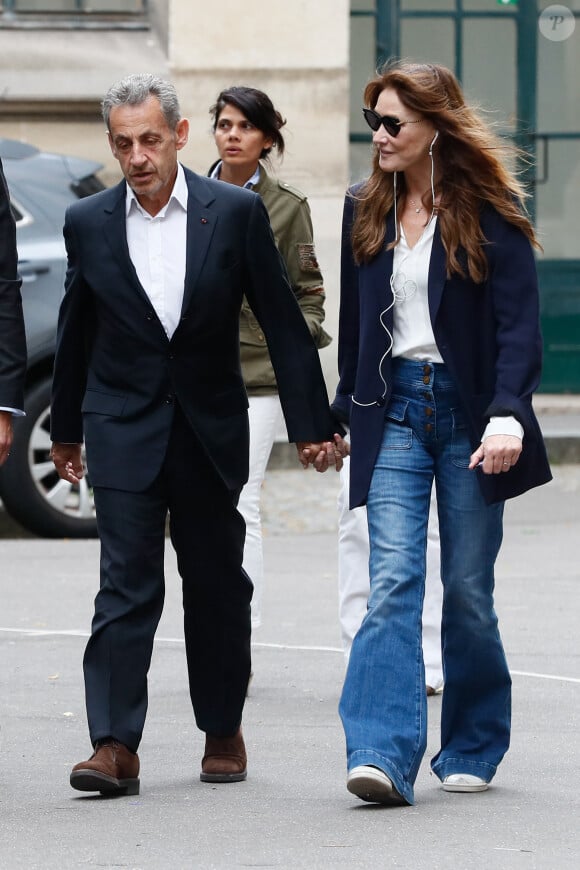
{"x":353,"y":579}
{"x":265,"y":415}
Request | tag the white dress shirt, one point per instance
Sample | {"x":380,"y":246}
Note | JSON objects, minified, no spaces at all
{"x":157,"y":247}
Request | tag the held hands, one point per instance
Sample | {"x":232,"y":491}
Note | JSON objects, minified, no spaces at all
{"x":323,"y":454}
{"x":67,"y":461}
{"x":498,"y":453}
{"x":5,"y":435}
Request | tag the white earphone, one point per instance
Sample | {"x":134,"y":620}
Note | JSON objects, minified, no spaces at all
{"x":381,"y":400}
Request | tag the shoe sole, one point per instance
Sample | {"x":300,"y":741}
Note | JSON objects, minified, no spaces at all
{"x":224,"y":777}
{"x":90,"y":780}
{"x":465,"y":788}
{"x":374,"y":790}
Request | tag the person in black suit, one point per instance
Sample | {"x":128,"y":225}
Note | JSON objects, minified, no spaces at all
{"x":147,"y":370}
{"x":439,"y":354}
{"x":12,"y":336}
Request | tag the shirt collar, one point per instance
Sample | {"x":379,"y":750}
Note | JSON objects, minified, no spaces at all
{"x":215,"y":173}
{"x":178,"y":194}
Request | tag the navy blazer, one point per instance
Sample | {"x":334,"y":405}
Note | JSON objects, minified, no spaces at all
{"x":487,"y":334}
{"x":12,"y":337}
{"x":117,"y":374}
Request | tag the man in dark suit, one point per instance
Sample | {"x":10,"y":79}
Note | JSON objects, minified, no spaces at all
{"x":12,"y":338}
{"x":147,"y":370}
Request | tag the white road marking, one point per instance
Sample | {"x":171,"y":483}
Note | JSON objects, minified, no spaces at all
{"x":72,"y":632}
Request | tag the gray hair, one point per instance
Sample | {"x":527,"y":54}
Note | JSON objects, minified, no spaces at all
{"x":136,"y":89}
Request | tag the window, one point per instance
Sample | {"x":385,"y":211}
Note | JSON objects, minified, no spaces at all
{"x":49,"y":12}
{"x":86,"y":6}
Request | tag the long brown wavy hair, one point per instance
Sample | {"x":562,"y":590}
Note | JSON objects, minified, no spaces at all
{"x":469,"y":161}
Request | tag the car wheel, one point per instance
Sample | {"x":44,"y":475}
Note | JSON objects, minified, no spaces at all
{"x":32,"y":492}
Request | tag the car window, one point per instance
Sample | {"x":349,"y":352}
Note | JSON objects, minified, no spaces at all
{"x":17,"y":215}
{"x":87,"y":186}
{"x":21,"y":217}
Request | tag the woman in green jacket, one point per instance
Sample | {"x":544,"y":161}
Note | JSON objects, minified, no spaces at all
{"x":246,"y":128}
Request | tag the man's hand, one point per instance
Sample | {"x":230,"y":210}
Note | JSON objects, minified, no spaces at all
{"x":323,"y":454}
{"x":67,"y":461}
{"x":5,"y":435}
{"x":497,"y":454}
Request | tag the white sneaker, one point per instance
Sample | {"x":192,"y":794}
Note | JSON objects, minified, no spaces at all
{"x":371,"y":784}
{"x":464,"y":782}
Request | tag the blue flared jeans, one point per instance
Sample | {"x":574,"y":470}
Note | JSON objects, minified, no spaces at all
{"x":383,"y":705}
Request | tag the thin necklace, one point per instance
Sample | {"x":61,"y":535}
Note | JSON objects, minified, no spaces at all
{"x":414,"y":204}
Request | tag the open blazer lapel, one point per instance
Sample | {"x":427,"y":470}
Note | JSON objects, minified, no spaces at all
{"x":201,"y":223}
{"x":115,"y":229}
{"x":437,"y":273}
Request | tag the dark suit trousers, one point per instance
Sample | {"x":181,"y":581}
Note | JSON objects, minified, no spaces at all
{"x":207,"y":533}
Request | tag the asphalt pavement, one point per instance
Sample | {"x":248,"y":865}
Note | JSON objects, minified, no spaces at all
{"x":294,"y":810}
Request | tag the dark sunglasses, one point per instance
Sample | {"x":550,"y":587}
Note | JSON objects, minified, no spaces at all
{"x":392,"y":125}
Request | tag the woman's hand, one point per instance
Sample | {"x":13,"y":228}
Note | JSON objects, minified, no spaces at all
{"x":498,"y":453}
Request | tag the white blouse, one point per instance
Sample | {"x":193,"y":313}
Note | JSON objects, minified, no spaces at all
{"x":412,"y":334}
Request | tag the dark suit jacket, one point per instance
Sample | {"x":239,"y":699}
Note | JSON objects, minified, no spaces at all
{"x":12,"y":338}
{"x":117,"y":374}
{"x":488,"y":336}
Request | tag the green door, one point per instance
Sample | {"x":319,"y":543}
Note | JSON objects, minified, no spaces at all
{"x":521,"y":62}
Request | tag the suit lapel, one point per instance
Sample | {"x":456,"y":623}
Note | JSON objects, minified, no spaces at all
{"x":437,"y":273}
{"x":379,"y":273}
{"x":115,"y":230}
{"x":201,"y":223}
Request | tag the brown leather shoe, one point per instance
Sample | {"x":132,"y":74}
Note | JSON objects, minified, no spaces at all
{"x":112,"y":769}
{"x":225,"y":759}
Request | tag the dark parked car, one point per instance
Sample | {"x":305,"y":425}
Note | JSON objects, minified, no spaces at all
{"x":41,"y":187}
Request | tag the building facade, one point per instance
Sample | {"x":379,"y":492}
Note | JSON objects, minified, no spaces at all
{"x":518,"y":58}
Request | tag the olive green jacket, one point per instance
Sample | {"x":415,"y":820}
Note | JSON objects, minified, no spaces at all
{"x":292,"y":227}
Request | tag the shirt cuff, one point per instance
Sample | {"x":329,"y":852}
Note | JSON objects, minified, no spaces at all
{"x":14,"y":411}
{"x":503,"y":426}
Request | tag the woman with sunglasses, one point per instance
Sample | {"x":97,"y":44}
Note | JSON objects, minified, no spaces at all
{"x":439,"y":354}
{"x":246,"y":128}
